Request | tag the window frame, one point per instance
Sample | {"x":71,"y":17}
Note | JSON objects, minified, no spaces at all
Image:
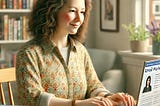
{"x":143,"y":15}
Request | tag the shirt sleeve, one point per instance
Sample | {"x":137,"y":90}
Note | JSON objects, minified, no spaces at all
{"x":45,"y":99}
{"x":93,"y":83}
{"x":29,"y":81}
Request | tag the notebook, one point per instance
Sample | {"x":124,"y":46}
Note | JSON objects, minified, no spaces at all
{"x":149,"y":89}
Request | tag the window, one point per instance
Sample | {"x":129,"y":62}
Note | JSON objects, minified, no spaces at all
{"x":145,"y":11}
{"x":156,"y":9}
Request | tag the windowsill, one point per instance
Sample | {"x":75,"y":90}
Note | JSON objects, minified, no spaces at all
{"x":140,"y":55}
{"x":136,"y":58}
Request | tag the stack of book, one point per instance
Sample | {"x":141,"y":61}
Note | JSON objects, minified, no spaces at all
{"x":16,"y":4}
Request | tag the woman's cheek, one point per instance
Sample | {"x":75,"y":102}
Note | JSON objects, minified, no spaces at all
{"x":67,"y":18}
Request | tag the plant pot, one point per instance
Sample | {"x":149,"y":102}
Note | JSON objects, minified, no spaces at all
{"x":139,"y":46}
{"x":156,"y":47}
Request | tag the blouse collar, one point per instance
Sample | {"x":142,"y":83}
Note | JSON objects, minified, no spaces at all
{"x":48,"y":46}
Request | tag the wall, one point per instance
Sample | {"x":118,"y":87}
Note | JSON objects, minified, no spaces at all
{"x":110,"y":40}
{"x":119,"y":41}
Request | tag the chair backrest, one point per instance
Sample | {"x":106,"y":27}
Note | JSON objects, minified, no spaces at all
{"x":103,"y":60}
{"x":7,"y":75}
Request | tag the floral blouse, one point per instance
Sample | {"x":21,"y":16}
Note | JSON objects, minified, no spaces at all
{"x":42,"y":73}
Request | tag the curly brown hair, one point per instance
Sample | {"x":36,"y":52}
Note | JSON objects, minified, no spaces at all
{"x":42,"y":21}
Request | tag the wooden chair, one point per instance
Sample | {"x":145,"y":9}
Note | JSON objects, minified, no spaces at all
{"x":7,"y":75}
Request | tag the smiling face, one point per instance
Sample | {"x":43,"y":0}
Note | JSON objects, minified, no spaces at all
{"x":148,"y":81}
{"x":71,"y":16}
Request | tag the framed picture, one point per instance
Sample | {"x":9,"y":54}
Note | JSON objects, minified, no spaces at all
{"x":109,"y":15}
{"x":156,"y":9}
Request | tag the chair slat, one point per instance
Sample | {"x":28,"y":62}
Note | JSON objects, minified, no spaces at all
{"x":6,"y":76}
{"x":2,"y":94}
{"x":10,"y":93}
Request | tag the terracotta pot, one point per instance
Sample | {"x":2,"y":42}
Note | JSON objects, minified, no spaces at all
{"x":139,"y":46}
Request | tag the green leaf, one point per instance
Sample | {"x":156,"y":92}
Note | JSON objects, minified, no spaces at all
{"x":136,"y":33}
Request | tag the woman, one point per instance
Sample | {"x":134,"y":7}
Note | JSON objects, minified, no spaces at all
{"x":54,"y":68}
{"x":148,"y":86}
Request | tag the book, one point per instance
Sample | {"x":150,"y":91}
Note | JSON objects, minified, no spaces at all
{"x":5,"y":17}
{"x":3,"y":4}
{"x":15,"y":29}
{"x":19,"y":4}
{"x":24,"y":4}
{"x":9,"y":4}
{"x":15,"y":4}
{"x":1,"y":29}
{"x":24,"y":27}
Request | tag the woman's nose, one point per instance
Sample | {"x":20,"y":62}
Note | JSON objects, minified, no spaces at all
{"x":79,"y":16}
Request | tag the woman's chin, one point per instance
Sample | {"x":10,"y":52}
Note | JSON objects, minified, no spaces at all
{"x":73,"y":32}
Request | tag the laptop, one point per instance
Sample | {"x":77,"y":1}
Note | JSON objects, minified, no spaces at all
{"x":149,"y":89}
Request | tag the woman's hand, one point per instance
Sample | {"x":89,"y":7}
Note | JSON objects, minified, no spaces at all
{"x":113,"y":100}
{"x":122,"y":98}
{"x":96,"y":101}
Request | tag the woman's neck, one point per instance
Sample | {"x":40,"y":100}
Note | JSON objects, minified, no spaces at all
{"x":60,"y":41}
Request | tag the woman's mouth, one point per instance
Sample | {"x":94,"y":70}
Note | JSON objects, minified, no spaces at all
{"x":75,"y":25}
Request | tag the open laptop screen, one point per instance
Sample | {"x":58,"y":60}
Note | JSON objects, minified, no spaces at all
{"x":149,"y":90}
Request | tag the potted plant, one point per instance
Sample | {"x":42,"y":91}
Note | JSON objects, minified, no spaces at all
{"x":154,"y":30}
{"x":138,"y":37}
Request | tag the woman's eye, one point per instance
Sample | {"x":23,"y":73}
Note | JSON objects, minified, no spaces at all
{"x":82,"y":12}
{"x":72,"y":10}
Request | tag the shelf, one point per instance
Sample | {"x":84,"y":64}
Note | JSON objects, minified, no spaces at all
{"x":12,"y":41}
{"x":15,"y":24}
{"x":15,"y":10}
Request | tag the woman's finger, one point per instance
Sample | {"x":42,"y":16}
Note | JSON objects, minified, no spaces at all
{"x":101,"y":101}
{"x":119,"y":97}
{"x":122,"y":96}
{"x":133,"y":103}
{"x":108,"y":102}
{"x":130,"y":100}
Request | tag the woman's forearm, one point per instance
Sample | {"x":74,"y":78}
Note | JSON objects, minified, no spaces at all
{"x":60,"y":102}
